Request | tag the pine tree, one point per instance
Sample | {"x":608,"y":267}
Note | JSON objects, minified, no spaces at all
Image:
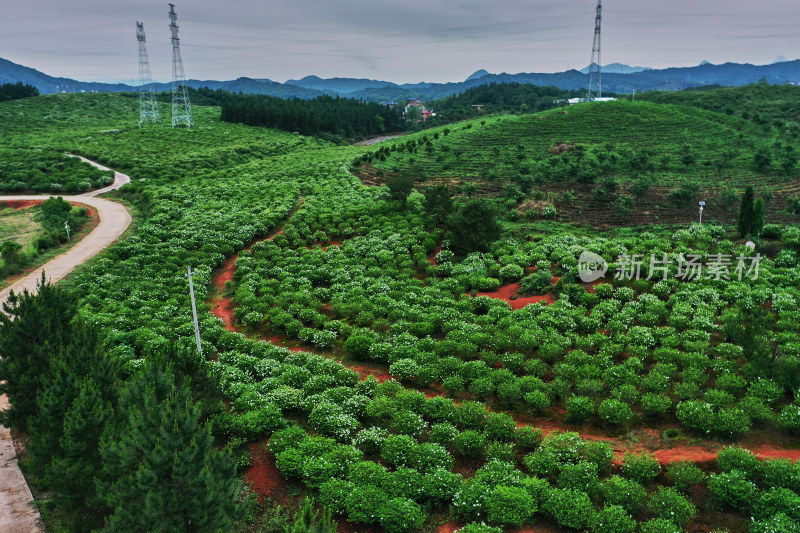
{"x":306,"y":520}
{"x":76,"y":406}
{"x":36,"y":325}
{"x":166,"y":475}
{"x":745,"y":220}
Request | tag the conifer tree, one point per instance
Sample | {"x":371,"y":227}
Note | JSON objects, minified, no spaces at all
{"x":36,"y":323}
{"x":745,"y":220}
{"x":166,"y":475}
{"x":76,"y":406}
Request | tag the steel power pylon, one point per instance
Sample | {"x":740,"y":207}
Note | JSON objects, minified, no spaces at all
{"x":595,"y":72}
{"x":148,"y":107}
{"x":181,"y":109}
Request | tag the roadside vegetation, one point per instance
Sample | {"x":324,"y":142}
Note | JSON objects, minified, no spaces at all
{"x":376,"y":354}
{"x":27,"y":233}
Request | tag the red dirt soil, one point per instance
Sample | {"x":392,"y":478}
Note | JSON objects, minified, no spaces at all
{"x":16,"y":205}
{"x":222,"y":306}
{"x":263,"y":476}
{"x":505,"y":292}
{"x":367,"y":370}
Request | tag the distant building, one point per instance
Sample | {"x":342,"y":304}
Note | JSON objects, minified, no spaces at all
{"x":572,"y":101}
{"x":414,"y":102}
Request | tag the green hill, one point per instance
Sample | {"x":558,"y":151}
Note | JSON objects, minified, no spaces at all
{"x":603,"y":162}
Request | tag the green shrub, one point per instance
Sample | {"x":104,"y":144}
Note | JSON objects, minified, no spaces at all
{"x":613,"y":519}
{"x":781,"y":473}
{"x":538,"y":282}
{"x":668,"y":503}
{"x":442,"y":434}
{"x":334,"y":493}
{"x":401,"y":515}
{"x":615,"y":412}
{"x":624,"y":492}
{"x":511,"y":272}
{"x":642,"y":468}
{"x":656,"y":404}
{"x":570,"y":508}
{"x":789,"y":419}
{"x":501,"y":451}
{"x":660,"y":525}
{"x":499,"y":426}
{"x":358,"y":346}
{"x":601,"y":454}
{"x":732,"y":489}
{"x":470,"y":501}
{"x":777,"y":500}
{"x":528,"y":438}
{"x":479,"y":528}
{"x":470,"y":443}
{"x":780,"y":523}
{"x":684,"y":475}
{"x":364,"y":504}
{"x":581,"y":476}
{"x":737,"y":458}
{"x":579,"y":408}
{"x":537,"y":400}
{"x":509,"y":506}
{"x":258,"y":423}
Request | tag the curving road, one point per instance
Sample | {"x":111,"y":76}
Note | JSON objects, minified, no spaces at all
{"x":17,"y":514}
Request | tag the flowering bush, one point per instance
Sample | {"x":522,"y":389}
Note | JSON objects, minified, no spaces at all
{"x":668,"y":503}
{"x":613,"y":519}
{"x":509,"y":506}
{"x":579,"y":408}
{"x":684,"y":475}
{"x":570,"y":508}
{"x":732,"y":489}
{"x":642,"y":468}
{"x":401,"y":515}
{"x":615,"y":412}
{"x":624,"y":492}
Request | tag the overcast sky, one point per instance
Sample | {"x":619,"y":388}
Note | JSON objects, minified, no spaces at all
{"x":399,"y":41}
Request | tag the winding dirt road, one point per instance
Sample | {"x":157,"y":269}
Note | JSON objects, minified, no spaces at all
{"x":17,"y":514}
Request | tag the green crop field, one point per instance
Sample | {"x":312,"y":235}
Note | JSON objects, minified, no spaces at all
{"x":361,"y":349}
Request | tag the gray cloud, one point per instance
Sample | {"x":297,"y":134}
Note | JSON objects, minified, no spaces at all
{"x":414,"y":40}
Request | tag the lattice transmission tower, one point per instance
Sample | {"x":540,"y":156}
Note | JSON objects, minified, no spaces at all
{"x":148,"y":106}
{"x":595,"y":72}
{"x":181,"y":109}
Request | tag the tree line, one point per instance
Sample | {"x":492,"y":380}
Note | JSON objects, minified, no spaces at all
{"x":15,"y":91}
{"x":495,"y":97}
{"x":342,"y":117}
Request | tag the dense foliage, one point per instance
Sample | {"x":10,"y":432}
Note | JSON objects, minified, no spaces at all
{"x":15,"y":91}
{"x":338,"y":116}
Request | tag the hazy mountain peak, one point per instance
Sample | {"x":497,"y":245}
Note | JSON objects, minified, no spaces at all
{"x":704,"y":62}
{"x":478,"y":74}
{"x":779,"y":59}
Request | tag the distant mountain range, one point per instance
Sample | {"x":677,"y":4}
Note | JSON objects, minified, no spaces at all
{"x":617,"y":78}
{"x":616,"y":68}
